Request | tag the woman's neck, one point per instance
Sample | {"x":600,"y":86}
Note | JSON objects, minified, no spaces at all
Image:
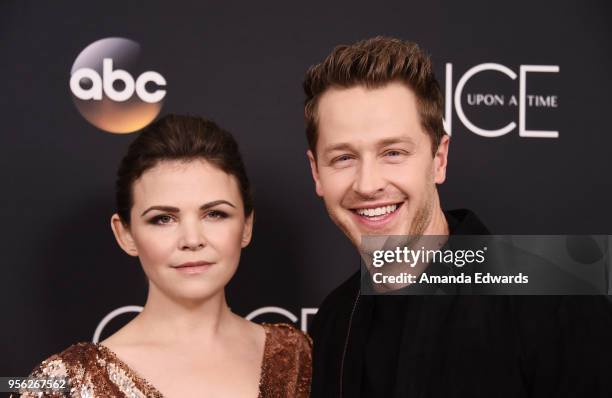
{"x":168,"y":320}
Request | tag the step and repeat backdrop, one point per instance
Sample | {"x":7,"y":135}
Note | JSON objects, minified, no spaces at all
{"x":527,"y":88}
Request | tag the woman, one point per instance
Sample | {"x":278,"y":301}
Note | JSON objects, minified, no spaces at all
{"x":184,"y":208}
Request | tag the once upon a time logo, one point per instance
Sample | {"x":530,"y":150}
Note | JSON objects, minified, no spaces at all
{"x":490,"y":98}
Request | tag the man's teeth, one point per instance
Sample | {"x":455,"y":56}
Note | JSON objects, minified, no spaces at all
{"x":377,"y":211}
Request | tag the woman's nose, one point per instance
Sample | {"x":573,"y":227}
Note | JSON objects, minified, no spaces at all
{"x":192,"y":236}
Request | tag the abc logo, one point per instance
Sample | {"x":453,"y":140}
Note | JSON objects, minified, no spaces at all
{"x":109,"y":76}
{"x":109,"y":90}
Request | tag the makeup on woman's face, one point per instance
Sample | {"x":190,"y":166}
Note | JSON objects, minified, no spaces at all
{"x":188,"y":225}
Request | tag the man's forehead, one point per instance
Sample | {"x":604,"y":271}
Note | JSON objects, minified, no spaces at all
{"x":368,"y":114}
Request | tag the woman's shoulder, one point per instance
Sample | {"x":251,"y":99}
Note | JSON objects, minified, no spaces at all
{"x":288,"y":336}
{"x":287,"y":366}
{"x":70,"y":364}
{"x":93,"y":370}
{"x":63,"y":363}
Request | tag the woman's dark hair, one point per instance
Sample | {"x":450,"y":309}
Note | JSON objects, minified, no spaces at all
{"x":183,"y":138}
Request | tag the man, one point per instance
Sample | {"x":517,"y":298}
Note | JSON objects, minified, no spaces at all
{"x":377,"y":149}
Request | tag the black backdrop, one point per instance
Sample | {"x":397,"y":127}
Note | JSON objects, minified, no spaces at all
{"x":242,"y":65}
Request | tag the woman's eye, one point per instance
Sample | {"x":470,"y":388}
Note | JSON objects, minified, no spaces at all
{"x":162,"y":219}
{"x":216,"y":215}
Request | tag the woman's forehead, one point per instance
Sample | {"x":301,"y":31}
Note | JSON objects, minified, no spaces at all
{"x":184,"y":182}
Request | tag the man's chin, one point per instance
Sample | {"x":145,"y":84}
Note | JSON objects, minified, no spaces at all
{"x":357,"y":235}
{"x":362,"y":230}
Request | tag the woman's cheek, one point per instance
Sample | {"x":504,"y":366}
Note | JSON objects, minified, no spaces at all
{"x":155,"y":247}
{"x":227,"y":238}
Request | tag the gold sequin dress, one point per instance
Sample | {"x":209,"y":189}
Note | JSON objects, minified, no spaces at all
{"x":93,"y":370}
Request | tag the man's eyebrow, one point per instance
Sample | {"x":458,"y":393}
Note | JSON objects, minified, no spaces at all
{"x":338,"y":147}
{"x":396,"y":140}
{"x":171,"y":209}
{"x":381,"y":143}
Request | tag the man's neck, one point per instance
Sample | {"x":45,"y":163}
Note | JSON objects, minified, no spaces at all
{"x":438,"y":224}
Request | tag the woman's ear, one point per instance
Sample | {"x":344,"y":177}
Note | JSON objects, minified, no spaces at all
{"x":123,"y":235}
{"x":247,"y":231}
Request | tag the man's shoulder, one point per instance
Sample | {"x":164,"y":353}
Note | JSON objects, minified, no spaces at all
{"x":339,"y":303}
{"x":465,"y":222}
{"x":565,"y":309}
{"x":345,"y":293}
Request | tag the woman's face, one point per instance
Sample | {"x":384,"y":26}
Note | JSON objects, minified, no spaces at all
{"x":187,"y":226}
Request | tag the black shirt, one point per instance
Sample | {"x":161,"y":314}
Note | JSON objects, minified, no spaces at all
{"x":461,"y":346}
{"x":384,"y":332}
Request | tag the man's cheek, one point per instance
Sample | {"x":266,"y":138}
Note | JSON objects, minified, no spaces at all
{"x":332,"y":193}
{"x":409,"y":183}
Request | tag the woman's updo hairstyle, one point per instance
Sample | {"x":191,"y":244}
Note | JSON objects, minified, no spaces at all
{"x":182,"y":138}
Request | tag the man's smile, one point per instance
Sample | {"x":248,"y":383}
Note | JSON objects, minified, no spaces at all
{"x":376,"y":215}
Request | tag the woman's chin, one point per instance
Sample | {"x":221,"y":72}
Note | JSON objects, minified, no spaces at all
{"x":194,"y":295}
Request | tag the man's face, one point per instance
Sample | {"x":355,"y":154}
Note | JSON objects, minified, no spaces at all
{"x":374,"y":167}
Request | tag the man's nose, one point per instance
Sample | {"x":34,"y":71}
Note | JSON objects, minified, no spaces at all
{"x":192,"y":235}
{"x":369,"y":180}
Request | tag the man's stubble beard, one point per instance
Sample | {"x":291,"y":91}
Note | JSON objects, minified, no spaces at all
{"x":418,"y":226}
{"x":423,"y":215}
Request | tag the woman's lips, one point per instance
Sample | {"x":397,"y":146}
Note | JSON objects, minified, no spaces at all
{"x":193,"y":267}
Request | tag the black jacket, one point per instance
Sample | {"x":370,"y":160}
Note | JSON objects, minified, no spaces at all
{"x":461,"y":346}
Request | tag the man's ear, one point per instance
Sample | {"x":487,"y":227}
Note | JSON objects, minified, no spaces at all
{"x":441,"y":160}
{"x":123,"y":236}
{"x":315,"y":173}
{"x":247,"y":231}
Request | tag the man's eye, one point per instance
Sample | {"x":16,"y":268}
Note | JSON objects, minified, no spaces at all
{"x":393,"y":153}
{"x":341,"y":158}
{"x":216,"y":215}
{"x":162,"y":219}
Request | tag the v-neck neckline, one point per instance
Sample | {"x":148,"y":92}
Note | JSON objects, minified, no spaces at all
{"x":152,"y":391}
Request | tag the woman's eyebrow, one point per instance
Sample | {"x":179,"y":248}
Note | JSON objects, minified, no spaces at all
{"x":168,"y":209}
{"x":171,"y":209}
{"x":215,"y":203}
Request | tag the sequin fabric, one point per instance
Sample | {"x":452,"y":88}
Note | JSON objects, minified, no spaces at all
{"x":95,"y":371}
